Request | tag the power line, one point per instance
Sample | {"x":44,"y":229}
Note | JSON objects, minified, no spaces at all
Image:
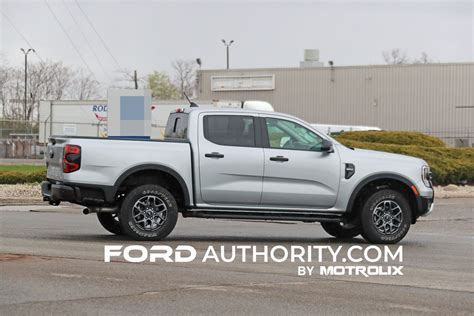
{"x":87,"y":41}
{"x":67,"y":35}
{"x":21,"y":35}
{"x":98,"y":35}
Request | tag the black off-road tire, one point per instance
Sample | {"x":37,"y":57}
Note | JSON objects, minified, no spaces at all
{"x":110,"y":222}
{"x":140,"y":225}
{"x":338,"y":231}
{"x":382,"y":202}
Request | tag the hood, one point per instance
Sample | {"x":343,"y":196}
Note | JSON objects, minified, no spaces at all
{"x":366,"y":154}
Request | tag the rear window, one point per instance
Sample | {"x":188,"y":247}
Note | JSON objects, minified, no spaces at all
{"x":177,"y":126}
{"x":230,"y":130}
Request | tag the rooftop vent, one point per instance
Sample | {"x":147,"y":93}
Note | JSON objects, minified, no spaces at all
{"x":311,"y":59}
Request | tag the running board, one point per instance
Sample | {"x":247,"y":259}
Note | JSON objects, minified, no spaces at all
{"x":274,"y":216}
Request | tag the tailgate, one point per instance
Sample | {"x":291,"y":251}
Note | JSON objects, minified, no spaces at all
{"x":54,"y":158}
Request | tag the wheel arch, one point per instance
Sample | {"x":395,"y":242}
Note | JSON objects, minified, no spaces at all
{"x":150,"y":171}
{"x":389,"y":180}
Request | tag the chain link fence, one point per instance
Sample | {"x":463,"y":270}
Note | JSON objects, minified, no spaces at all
{"x":19,"y":139}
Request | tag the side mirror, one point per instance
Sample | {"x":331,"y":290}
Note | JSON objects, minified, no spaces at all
{"x":326,"y":146}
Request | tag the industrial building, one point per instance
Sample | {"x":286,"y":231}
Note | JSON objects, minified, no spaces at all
{"x":437,"y":99}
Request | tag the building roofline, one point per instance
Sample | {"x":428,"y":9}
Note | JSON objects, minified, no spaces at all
{"x":337,"y":67}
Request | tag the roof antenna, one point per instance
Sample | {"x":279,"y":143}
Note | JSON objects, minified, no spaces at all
{"x":191,"y":103}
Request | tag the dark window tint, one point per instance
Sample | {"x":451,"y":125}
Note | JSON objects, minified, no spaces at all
{"x":230,"y":130}
{"x":177,"y":126}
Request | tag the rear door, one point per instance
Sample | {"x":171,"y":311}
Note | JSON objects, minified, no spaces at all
{"x":230,"y":159}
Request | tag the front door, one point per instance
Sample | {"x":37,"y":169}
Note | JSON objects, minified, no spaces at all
{"x":230,"y":160}
{"x":297,"y":173}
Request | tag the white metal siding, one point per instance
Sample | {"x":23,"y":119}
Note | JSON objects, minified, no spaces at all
{"x":394,"y":97}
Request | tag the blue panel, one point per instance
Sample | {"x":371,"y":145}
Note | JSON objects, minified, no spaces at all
{"x":132,"y":108}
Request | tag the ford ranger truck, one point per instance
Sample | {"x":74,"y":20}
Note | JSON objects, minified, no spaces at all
{"x":238,"y":164}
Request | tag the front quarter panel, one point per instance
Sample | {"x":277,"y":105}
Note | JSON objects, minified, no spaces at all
{"x":372,"y":164}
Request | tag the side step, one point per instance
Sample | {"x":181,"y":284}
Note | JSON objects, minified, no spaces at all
{"x":274,"y":216}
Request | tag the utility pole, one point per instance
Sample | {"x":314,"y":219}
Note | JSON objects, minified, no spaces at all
{"x":135,"y":79}
{"x":26,"y":79}
{"x":227,"y":50}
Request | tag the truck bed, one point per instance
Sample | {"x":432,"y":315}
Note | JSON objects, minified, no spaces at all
{"x":104,"y":160}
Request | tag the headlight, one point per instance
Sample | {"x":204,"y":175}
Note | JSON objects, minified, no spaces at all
{"x":426,"y":176}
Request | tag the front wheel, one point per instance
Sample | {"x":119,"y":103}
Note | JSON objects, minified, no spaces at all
{"x":385,"y":217}
{"x":148,"y":212}
{"x":110,"y":222}
{"x":340,"y":231}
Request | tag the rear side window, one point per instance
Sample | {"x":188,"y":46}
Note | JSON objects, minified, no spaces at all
{"x":230,"y":130}
{"x":177,"y":126}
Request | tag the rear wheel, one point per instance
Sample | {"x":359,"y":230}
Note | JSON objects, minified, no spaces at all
{"x":340,"y":231}
{"x":148,"y":212}
{"x":385,"y":217}
{"x":110,"y":222}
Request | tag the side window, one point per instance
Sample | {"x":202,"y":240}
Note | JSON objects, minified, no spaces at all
{"x":230,"y":130}
{"x":289,"y":135}
{"x":177,"y":126}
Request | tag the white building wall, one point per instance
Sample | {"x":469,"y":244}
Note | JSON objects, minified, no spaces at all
{"x":434,"y":98}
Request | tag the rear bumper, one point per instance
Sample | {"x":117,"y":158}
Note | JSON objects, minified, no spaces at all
{"x":56,"y":193}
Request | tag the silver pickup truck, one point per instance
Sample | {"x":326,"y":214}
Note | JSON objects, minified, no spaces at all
{"x":238,"y":164}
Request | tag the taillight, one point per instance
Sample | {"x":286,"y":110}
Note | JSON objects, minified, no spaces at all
{"x":71,"y":158}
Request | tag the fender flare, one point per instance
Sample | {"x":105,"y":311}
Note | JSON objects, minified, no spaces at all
{"x":380,"y":176}
{"x":157,"y":167}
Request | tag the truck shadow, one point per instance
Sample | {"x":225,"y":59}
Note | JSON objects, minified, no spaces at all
{"x":261,"y":239}
{"x":218,"y":239}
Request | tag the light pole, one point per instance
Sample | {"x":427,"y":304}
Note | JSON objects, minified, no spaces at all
{"x":26,"y":77}
{"x":227,"y":50}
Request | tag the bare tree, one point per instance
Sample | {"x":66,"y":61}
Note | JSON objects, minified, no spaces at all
{"x":84,"y":86}
{"x":46,"y":81}
{"x":126,"y":79}
{"x":185,"y":76}
{"x":424,"y":59}
{"x":12,"y":95}
{"x":5,"y":76}
{"x":395,"y":57}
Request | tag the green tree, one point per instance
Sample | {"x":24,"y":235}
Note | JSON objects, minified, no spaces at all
{"x":161,"y":86}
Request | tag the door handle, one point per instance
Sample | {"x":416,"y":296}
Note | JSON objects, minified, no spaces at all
{"x":214,"y":155}
{"x":279,"y":158}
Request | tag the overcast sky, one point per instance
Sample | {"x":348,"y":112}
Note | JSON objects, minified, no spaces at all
{"x":148,"y":35}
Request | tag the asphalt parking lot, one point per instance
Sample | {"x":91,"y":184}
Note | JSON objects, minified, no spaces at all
{"x":52,"y":261}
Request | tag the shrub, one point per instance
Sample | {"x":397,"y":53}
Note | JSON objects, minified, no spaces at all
{"x":393,"y":137}
{"x":14,"y":177}
{"x":449,"y":165}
